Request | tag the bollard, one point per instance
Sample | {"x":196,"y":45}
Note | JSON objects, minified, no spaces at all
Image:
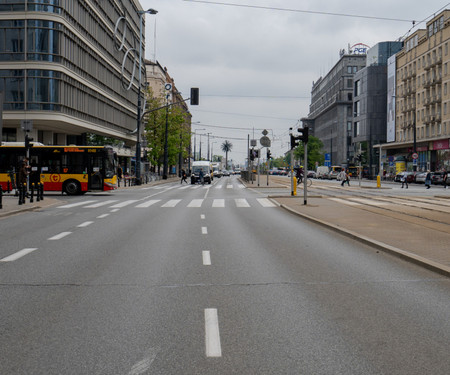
{"x":32,"y":193}
{"x":19,"y":189}
{"x":1,"y":197}
{"x":42,"y":191}
{"x":38,"y":190}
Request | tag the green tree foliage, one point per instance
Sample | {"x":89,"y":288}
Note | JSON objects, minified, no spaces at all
{"x":226,"y":147}
{"x":315,"y":153}
{"x":178,"y":131}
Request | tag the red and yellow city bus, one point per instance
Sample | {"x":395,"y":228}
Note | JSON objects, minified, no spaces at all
{"x":69,"y":169}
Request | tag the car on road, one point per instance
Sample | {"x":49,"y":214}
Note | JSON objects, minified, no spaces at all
{"x":420,"y":177}
{"x":437,"y":178}
{"x":225,"y":173}
{"x":334,"y":171}
{"x":322,"y":172}
{"x":409,"y":177}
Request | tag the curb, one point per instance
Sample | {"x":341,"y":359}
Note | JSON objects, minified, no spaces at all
{"x":405,"y":255}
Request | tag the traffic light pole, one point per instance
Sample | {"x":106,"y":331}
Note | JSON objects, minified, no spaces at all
{"x":292,"y":171}
{"x":305,"y":175}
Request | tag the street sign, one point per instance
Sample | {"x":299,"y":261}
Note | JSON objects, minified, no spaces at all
{"x":253,"y":142}
{"x":415,"y":156}
{"x":26,"y":125}
{"x":265,"y":141}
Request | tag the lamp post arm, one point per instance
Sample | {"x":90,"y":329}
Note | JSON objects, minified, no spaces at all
{"x":164,"y":106}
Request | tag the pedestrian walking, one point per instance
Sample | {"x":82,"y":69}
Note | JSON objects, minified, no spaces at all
{"x":183,"y":176}
{"x":344,"y":177}
{"x":428,"y":179}
{"x":404,"y":180}
{"x":444,"y":179}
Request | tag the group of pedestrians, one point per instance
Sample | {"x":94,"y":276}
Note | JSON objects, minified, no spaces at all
{"x":404,"y":180}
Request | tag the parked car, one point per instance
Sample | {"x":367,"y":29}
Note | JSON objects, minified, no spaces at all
{"x":335,"y":170}
{"x":420,"y":177}
{"x":409,"y":177}
{"x":322,"y":172}
{"x":437,"y":178}
{"x":311,"y":174}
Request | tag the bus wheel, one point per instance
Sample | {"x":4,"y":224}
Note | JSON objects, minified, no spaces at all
{"x":72,"y":187}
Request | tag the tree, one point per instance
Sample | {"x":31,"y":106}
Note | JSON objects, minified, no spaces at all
{"x":226,"y":147}
{"x":178,"y":132}
{"x":315,"y":154}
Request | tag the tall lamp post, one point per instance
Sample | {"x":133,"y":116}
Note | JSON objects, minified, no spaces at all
{"x":139,"y":106}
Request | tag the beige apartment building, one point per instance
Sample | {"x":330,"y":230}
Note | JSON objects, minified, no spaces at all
{"x":419,"y":136}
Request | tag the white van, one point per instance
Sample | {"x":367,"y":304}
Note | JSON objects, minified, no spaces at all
{"x":204,"y":166}
{"x":322,"y":172}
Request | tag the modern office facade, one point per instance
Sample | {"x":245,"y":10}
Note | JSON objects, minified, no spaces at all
{"x":370,"y":104}
{"x":331,"y":109}
{"x":70,"y":66}
{"x":420,"y":133}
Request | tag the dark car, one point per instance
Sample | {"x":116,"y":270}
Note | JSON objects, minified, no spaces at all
{"x":437,"y":178}
{"x":409,"y":177}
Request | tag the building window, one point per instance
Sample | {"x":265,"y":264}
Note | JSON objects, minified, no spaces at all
{"x":357,"y":129}
{"x":349,"y":83}
{"x":357,"y":108}
{"x":357,"y":87}
{"x":9,"y":135}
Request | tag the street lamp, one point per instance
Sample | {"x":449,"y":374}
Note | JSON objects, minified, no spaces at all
{"x":208,"y":145}
{"x":139,"y":106}
{"x":195,"y":151}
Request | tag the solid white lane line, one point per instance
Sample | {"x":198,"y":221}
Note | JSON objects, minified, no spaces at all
{"x":148,"y":203}
{"x":102,"y":216}
{"x":218,"y":203}
{"x":265,"y":202}
{"x":85,"y":224}
{"x":206,"y":258}
{"x":172,"y":203}
{"x":212,"y":335}
{"x":18,"y":255}
{"x":196,"y":203}
{"x":96,"y":205}
{"x":204,"y":230}
{"x":241,"y":202}
{"x":124,"y":203}
{"x":76,"y":204}
{"x":59,"y":236}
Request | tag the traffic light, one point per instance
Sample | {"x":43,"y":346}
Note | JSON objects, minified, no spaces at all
{"x":27,"y":142}
{"x":269,"y":155}
{"x":304,"y":133}
{"x":194,"y":95}
{"x":294,"y":142}
{"x":252,"y":155}
{"x":359,"y":157}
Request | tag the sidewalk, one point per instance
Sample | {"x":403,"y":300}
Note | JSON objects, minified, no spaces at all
{"x":408,"y":236}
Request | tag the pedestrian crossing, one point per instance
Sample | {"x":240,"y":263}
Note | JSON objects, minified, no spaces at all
{"x":172,"y":203}
{"x":219,"y":185}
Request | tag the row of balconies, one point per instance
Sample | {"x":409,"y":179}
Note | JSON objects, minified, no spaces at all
{"x":431,"y":62}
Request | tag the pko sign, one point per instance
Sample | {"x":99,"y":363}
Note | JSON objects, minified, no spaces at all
{"x":359,"y":49}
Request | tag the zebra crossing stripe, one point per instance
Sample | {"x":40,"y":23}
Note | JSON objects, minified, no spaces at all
{"x":124,"y":203}
{"x":196,"y":203}
{"x":218,"y":203}
{"x":241,"y":203}
{"x":96,"y":205}
{"x":148,"y":203}
{"x":171,"y":203}
{"x":265,"y":202}
{"x":229,"y":186}
{"x":76,"y":204}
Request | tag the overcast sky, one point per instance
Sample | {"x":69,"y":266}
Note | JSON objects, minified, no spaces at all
{"x":255,"y":60}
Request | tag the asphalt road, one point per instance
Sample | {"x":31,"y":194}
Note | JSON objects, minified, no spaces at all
{"x":208,"y":280}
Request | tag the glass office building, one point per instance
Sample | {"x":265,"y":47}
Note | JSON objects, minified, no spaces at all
{"x":71,"y":67}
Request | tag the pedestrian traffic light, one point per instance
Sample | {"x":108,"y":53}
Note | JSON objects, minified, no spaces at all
{"x":194,"y":96}
{"x":27,"y":142}
{"x":252,"y":155}
{"x":269,"y":155}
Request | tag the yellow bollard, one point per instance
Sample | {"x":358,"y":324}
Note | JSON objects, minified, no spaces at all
{"x":378,"y":181}
{"x":295,"y":186}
